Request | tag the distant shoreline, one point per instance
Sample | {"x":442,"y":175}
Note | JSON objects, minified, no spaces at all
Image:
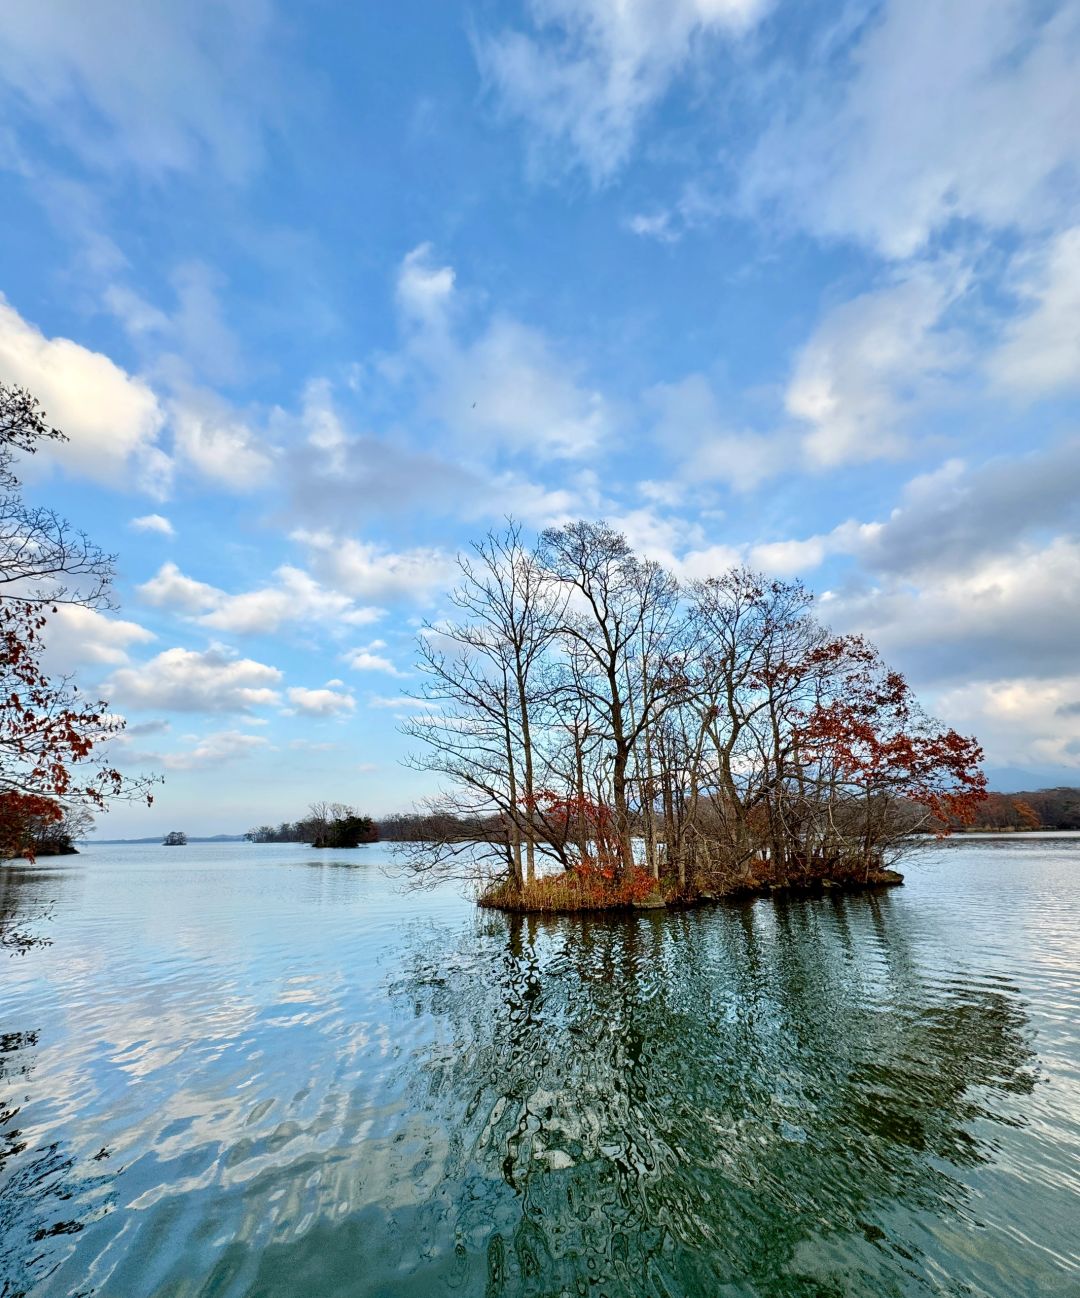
{"x":157,"y":838}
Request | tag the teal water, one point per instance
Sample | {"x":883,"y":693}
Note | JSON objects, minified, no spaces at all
{"x":263,"y":1071}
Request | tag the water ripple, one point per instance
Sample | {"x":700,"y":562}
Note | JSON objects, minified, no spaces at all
{"x":252,"y":1072}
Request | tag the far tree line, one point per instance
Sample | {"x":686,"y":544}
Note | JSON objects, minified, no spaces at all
{"x":1048,"y":809}
{"x":327,"y":824}
{"x":1037,"y":809}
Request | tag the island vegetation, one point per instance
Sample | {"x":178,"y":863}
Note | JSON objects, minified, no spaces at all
{"x":327,"y":825}
{"x":626,"y":738}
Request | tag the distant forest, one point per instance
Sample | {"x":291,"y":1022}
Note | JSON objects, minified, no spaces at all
{"x":1039,"y":809}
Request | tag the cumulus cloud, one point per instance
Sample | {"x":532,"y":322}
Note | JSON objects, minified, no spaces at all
{"x":322,"y":702}
{"x":369,"y":571}
{"x":368,"y":659}
{"x":944,"y":113}
{"x":590,"y":71}
{"x":215,"y":750}
{"x":951,"y":519}
{"x":153,"y":523}
{"x":424,"y":290}
{"x":111,"y":417}
{"x":186,"y":680}
{"x":77,"y":636}
{"x":957,"y":516}
{"x":161,"y":86}
{"x":295,"y":597}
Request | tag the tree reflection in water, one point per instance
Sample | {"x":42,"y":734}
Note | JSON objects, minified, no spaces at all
{"x":25,"y":908}
{"x":43,"y":1189}
{"x":761,"y":1099}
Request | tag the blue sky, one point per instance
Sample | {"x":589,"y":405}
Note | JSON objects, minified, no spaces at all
{"x":321,"y":292}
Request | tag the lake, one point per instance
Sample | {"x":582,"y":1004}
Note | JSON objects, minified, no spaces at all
{"x":263,"y":1070}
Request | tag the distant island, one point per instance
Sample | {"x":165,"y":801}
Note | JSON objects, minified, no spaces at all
{"x":327,"y":825}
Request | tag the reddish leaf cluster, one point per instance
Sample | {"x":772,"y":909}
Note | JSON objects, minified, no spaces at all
{"x":46,"y":730}
{"x":19,"y":812}
{"x":869,"y":733}
{"x":48,"y":736}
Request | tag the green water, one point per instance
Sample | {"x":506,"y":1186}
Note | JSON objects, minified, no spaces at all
{"x":263,"y":1071}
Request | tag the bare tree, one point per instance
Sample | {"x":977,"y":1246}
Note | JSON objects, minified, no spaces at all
{"x":43,"y":559}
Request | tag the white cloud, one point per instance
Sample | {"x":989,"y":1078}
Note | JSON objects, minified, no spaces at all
{"x":872,"y":362}
{"x":690,"y":422}
{"x":367,"y":570}
{"x":1020,"y":721}
{"x":170,"y":588}
{"x":509,"y":388}
{"x":75,"y":635}
{"x":365,"y":659}
{"x":328,"y":468}
{"x":158,"y":85}
{"x":321,"y":703}
{"x":111,"y":417}
{"x":400,"y":701}
{"x":296,"y":597}
{"x":215,"y":750}
{"x":594,"y":68}
{"x":189,"y":681}
{"x":1041,"y":351}
{"x":153,"y":523}
{"x":964,"y":111}
{"x":986,"y":622}
{"x":506,"y":387}
{"x":218,"y":442}
{"x":423,"y":289}
{"x":194,"y":335}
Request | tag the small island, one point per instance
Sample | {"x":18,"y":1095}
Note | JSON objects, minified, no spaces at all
{"x":327,"y":825}
{"x":176,"y":838}
{"x":610,"y":736}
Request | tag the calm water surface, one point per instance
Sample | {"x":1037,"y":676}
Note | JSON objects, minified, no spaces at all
{"x":249,"y":1070}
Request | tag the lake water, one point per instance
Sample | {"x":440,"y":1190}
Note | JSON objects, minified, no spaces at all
{"x":262,"y":1070}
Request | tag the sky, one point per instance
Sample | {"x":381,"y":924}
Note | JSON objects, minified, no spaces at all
{"x":322,"y":292}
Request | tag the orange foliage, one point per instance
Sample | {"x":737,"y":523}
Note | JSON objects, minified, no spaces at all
{"x":871,"y":733}
{"x":47,"y":735}
{"x":18,"y":813}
